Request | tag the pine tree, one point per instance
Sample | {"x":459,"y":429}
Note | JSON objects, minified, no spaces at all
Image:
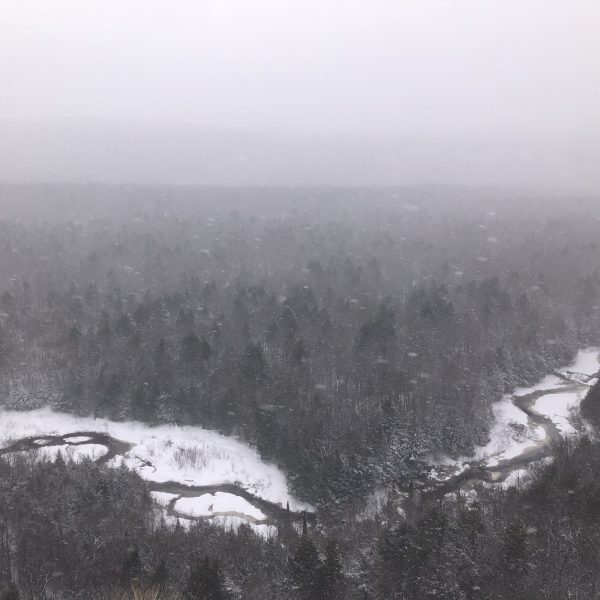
{"x":472,"y":523}
{"x":331,"y":580}
{"x":10,"y":594}
{"x":59,"y":462}
{"x":305,"y":566}
{"x":252,"y":363}
{"x":515,"y":546}
{"x":190,"y":348}
{"x":590,"y":407}
{"x":132,"y":565}
{"x":160,"y":574}
{"x":206,"y":582}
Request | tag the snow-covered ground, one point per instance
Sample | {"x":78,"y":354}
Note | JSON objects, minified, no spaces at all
{"x":201,"y":506}
{"x":512,"y":433}
{"x":74,"y":453}
{"x":587,"y":363}
{"x":208,"y":505}
{"x":518,"y":477}
{"x":78,"y":439}
{"x":559,"y":407}
{"x":234,"y":523}
{"x":188,"y":455}
{"x":163,"y":498}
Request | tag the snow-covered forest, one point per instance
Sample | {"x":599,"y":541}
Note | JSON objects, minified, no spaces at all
{"x":299,"y":300}
{"x":297,"y":393}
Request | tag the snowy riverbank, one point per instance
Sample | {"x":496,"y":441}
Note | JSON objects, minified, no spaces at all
{"x":526,"y":421}
{"x":190,"y":456}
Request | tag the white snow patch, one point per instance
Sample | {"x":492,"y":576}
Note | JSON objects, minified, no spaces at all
{"x":445,"y":467}
{"x":78,"y":453}
{"x":558,"y":408}
{"x":262,"y":529}
{"x":547,"y":383}
{"x":516,"y":478}
{"x":74,"y":453}
{"x":172,"y":521}
{"x":521,"y":477}
{"x":189,"y":455}
{"x":77,"y":439}
{"x":209,"y":504}
{"x":42,"y":442}
{"x":587,"y":362}
{"x":163,"y":498}
{"x":230,"y":523}
{"x":510,"y":435}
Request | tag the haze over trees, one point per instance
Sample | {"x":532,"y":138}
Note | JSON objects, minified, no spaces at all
{"x":347,"y":334}
{"x":299,"y":300}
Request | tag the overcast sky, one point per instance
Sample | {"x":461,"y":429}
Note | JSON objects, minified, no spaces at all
{"x":327,"y":66}
{"x":301,"y":91}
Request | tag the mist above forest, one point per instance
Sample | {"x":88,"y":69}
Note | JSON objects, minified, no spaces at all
{"x":111,"y":151}
{"x":299,"y":300}
{"x":311,"y":93}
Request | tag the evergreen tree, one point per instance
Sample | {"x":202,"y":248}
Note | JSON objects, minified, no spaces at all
{"x":305,"y":566}
{"x":331,"y":580}
{"x":253,"y":364}
{"x":515,"y":546}
{"x":206,"y":582}
{"x":471,"y":520}
{"x":132,"y":565}
{"x":160,"y":574}
{"x":400,"y":562}
{"x":190,"y":348}
{"x":11,"y":593}
{"x":590,"y":406}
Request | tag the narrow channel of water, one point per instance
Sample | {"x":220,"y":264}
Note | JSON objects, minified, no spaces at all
{"x":203,"y":474}
{"x":527,"y":424}
{"x":545,"y":409}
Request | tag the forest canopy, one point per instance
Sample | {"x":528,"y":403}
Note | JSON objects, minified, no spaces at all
{"x":347,"y":334}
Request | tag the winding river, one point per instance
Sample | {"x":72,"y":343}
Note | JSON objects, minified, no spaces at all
{"x":539,"y":426}
{"x":568,"y":387}
{"x":275,"y":513}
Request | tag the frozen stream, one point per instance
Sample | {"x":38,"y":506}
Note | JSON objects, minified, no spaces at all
{"x":199,"y":474}
{"x":526,"y":424}
{"x":194,"y":473}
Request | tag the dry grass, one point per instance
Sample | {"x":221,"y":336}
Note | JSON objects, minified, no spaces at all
{"x":191,"y":456}
{"x":199,"y":455}
{"x":145,"y":593}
